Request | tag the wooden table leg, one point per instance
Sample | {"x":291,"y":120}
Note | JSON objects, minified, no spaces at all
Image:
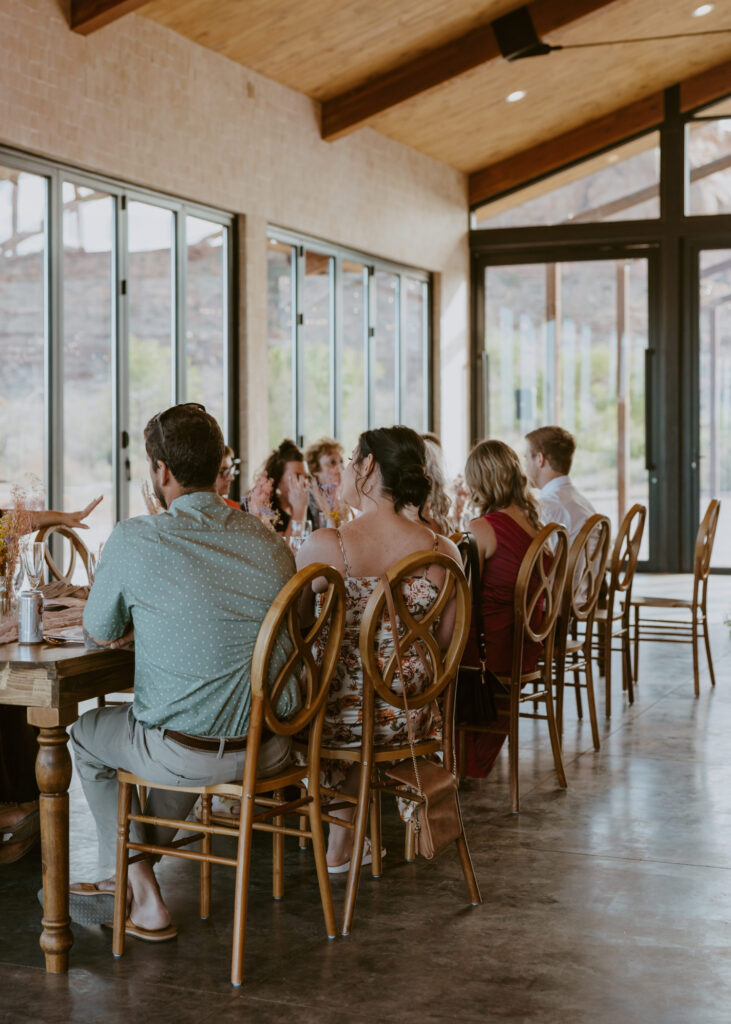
{"x":53,"y":774}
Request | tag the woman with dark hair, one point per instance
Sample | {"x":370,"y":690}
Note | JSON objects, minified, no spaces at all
{"x":509,"y":520}
{"x":282,"y":489}
{"x":386,"y":474}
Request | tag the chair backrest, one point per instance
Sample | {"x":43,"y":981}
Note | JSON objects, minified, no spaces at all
{"x":704,"y":541}
{"x":587,"y":563}
{"x":76,"y":548}
{"x":538,"y":592}
{"x":626,"y":549}
{"x":284,"y":652}
{"x":419,"y":639}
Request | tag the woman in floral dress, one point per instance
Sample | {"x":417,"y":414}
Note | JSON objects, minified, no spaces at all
{"x":386,"y":474}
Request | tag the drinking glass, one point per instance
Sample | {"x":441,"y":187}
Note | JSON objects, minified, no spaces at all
{"x":296,"y":535}
{"x":306,"y":530}
{"x":94,"y":557}
{"x":33,"y":563}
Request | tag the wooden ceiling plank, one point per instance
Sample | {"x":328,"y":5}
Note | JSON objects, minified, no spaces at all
{"x":343,"y":114}
{"x":706,"y":87}
{"x":492,"y":181}
{"x":86,"y":16}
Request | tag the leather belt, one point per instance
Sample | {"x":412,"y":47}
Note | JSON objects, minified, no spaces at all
{"x":209,"y":744}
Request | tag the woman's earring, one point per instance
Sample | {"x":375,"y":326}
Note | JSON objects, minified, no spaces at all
{"x":278,"y":493}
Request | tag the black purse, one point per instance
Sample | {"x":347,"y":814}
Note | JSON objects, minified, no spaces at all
{"x":476,"y":684}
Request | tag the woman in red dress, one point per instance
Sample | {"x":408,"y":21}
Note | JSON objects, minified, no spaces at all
{"x":509,"y":520}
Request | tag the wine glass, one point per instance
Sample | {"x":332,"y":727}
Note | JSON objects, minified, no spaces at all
{"x":18,"y":574}
{"x":296,"y":534}
{"x":33,"y":563}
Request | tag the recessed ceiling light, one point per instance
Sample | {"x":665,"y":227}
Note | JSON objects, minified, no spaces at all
{"x":513,"y":97}
{"x":704,"y":9}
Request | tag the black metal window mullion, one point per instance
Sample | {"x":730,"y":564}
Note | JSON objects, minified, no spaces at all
{"x":179,"y":259}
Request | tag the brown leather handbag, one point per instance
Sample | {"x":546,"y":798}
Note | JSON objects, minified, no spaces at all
{"x":437,"y":819}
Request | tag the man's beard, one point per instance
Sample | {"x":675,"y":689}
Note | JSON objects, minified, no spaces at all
{"x":157,"y":491}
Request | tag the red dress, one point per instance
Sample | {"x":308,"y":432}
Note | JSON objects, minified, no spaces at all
{"x":499,"y":576}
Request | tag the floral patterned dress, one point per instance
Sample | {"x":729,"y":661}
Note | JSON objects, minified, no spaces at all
{"x":344,"y":714}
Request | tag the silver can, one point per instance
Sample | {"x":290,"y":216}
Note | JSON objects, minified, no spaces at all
{"x":30,"y":617}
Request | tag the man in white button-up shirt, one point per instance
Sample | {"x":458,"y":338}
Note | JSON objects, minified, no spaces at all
{"x":548,"y":463}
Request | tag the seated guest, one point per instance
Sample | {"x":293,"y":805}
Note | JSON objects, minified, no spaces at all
{"x":325,"y":463}
{"x":438,"y":506}
{"x":19,"y":819}
{"x":227,"y":472}
{"x":548,"y":461}
{"x":387,"y":473}
{"x":192,"y":585}
{"x":509,"y":520}
{"x":281,"y":491}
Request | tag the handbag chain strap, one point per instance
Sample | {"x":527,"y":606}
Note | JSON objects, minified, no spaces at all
{"x":473,"y":560}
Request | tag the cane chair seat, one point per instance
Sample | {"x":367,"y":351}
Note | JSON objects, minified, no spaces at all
{"x":377,"y":684}
{"x":280,"y":629}
{"x":683,"y":631}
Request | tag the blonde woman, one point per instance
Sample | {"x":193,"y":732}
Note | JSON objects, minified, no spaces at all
{"x":509,"y":520}
{"x":438,"y":505}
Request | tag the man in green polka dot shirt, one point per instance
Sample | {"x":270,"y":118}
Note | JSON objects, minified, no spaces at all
{"x":191,"y":586}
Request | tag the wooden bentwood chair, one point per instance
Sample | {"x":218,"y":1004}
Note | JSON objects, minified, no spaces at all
{"x":679,"y":632}
{"x":614,"y":618}
{"x":76,"y":547}
{"x":537,"y":601}
{"x":418,"y":640}
{"x":280,"y":628}
{"x":587,"y":563}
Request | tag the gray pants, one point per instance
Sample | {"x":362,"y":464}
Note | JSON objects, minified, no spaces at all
{"x":106,"y":739}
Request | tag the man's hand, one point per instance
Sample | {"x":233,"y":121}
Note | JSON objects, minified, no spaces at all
{"x":75,"y":519}
{"x":121,"y":643}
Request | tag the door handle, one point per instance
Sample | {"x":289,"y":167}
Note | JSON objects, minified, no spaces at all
{"x":127,"y":471}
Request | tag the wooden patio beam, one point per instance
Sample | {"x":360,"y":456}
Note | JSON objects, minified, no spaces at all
{"x":344,"y":113}
{"x":500,"y":177}
{"x":86,"y":16}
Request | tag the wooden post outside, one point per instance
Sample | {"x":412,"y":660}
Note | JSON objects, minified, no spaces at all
{"x":623,"y":397}
{"x":554,"y":318}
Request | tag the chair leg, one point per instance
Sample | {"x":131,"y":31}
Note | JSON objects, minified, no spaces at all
{"x":636,"y":643}
{"x":376,"y":866}
{"x":694,"y":635}
{"x":303,"y":822}
{"x":513,"y":750}
{"x":461,"y":738}
{"x":590,"y":699}
{"x":320,"y":852}
{"x":707,"y":641}
{"x":359,"y":834}
{"x":577,"y":691}
{"x":241,"y":897}
{"x":120,"y":884}
{"x":555,"y":742}
{"x":468,"y":871}
{"x":627,"y":665}
{"x":607,"y":673}
{"x":409,"y":851}
{"x":205,"y":908}
{"x":278,"y":854}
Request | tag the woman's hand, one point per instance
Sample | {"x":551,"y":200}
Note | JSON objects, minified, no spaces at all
{"x":299,"y":496}
{"x":75,"y":519}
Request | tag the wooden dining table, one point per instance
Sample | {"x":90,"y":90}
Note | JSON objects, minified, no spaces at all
{"x":51,"y":682}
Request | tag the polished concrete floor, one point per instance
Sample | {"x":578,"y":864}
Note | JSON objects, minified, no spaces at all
{"x":605,"y":904}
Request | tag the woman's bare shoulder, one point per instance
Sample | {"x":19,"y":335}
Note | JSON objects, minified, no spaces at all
{"x":320,"y":546}
{"x":484,"y":534}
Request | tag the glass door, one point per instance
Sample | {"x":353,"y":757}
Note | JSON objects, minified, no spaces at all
{"x":714,"y":394}
{"x":566,"y":343}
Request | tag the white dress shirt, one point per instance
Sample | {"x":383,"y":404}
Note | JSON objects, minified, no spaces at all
{"x":562,"y":503}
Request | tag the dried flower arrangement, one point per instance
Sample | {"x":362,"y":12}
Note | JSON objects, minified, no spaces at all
{"x":259,"y":501}
{"x":152,"y":503}
{"x":14,"y":522}
{"x":329,"y":503}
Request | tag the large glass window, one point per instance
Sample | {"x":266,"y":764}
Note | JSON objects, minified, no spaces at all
{"x":708,"y":161}
{"x":565,"y":344}
{"x":623,"y":184}
{"x":715,"y":393}
{"x":348,"y":342}
{"x":206,"y":286}
{"x":103,"y":323}
{"x":23,"y":316}
{"x":88,"y":347}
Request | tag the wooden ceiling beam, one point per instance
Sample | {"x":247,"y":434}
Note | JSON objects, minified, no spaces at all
{"x":343,"y":114}
{"x":706,"y":87}
{"x":533,"y":163}
{"x":86,"y":16}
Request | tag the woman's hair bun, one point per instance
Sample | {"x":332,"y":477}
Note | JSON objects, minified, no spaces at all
{"x":401,"y":456}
